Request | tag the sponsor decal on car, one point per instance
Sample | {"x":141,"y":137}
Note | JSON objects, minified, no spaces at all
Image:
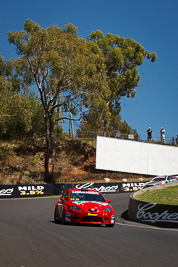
{"x":92,"y":214}
{"x":86,"y":192}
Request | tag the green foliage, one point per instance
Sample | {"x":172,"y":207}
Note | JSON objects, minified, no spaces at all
{"x":72,"y":76}
{"x":5,"y":100}
{"x":23,"y":117}
{"x":122,"y":58}
{"x":2,"y":66}
{"x":59,"y":63}
{"x":94,"y":127}
{"x":20,"y":115}
{"x":70,"y":28}
{"x":14,"y":118}
{"x":36,"y":158}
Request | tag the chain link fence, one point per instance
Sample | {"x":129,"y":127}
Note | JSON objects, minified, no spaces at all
{"x":91,"y":136}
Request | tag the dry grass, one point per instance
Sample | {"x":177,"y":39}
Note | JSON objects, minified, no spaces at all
{"x":22,"y":162}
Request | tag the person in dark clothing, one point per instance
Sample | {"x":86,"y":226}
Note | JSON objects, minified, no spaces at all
{"x":149,"y":133}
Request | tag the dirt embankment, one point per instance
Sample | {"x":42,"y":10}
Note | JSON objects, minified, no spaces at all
{"x":22,"y":162}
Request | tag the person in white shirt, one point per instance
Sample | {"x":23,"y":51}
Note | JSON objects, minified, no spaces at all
{"x":162,"y":134}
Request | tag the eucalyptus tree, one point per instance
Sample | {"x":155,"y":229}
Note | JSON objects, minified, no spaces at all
{"x":123,"y":56}
{"x":58,"y":62}
{"x":5,"y":88}
{"x":19,"y":112}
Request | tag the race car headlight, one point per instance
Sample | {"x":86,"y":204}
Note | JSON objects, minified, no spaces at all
{"x":75,"y":208}
{"x":107,"y":210}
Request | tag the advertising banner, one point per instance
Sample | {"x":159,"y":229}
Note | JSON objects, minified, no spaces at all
{"x":18,"y":191}
{"x":43,"y":190}
{"x":152,"y":213}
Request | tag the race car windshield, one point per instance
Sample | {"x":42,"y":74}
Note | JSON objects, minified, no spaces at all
{"x":158,"y":179}
{"x":86,"y":196}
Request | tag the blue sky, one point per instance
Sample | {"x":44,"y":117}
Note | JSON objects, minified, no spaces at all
{"x":154,"y":24}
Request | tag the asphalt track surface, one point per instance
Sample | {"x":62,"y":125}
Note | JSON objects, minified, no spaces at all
{"x":30,"y":238}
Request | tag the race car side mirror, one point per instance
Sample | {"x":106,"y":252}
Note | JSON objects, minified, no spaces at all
{"x":62,"y":198}
{"x":108,"y":200}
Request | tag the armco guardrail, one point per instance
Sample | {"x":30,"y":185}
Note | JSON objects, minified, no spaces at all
{"x":152,"y":213}
{"x":42,"y":190}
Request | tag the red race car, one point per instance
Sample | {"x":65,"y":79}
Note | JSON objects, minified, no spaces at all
{"x":84,"y":206}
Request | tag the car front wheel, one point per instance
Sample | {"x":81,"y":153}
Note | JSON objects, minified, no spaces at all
{"x":56,"y":219}
{"x":63,"y":217}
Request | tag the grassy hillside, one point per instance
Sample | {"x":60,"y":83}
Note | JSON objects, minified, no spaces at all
{"x":22,"y":162}
{"x":168,"y":196}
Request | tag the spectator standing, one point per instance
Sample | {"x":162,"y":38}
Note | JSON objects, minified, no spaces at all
{"x":162,"y":135}
{"x":149,"y":133}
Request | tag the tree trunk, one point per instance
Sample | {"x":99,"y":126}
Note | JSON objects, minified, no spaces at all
{"x":50,"y":149}
{"x":59,"y":114}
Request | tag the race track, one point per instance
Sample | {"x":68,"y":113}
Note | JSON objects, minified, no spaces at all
{"x":30,"y":238}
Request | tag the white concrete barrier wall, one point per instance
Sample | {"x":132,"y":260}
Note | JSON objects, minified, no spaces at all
{"x":135,"y":157}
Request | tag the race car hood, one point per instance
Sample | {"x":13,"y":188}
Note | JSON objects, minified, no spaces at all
{"x":93,"y":206}
{"x":154,"y":183}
